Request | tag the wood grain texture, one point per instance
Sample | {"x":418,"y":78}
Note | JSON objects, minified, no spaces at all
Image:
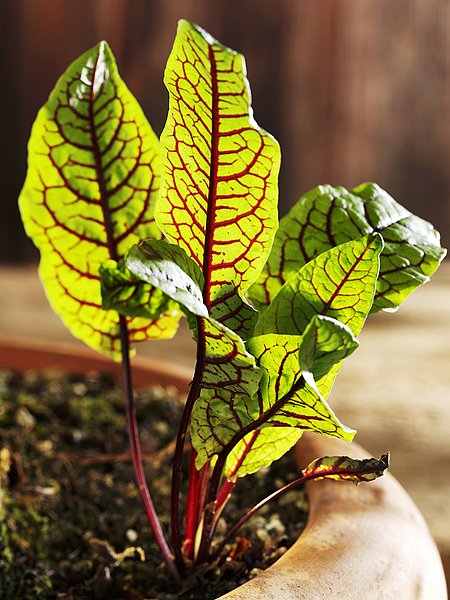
{"x":354,"y":91}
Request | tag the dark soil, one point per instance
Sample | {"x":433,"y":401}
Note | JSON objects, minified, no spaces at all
{"x":71,"y":524}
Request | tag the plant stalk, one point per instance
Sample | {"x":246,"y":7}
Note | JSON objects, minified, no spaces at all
{"x":257,"y":507}
{"x":266,"y":500}
{"x":216,"y":477}
{"x":178,"y":455}
{"x":135,"y":451}
{"x":192,"y":504}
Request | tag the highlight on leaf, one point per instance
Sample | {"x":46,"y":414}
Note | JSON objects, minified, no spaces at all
{"x":168,"y":268}
{"x":350,"y":469}
{"x":258,"y":450}
{"x":132,"y":297}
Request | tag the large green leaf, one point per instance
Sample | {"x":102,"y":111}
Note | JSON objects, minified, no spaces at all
{"x":339,"y":283}
{"x":219,"y":179}
{"x":93,"y":174}
{"x":328,"y":216}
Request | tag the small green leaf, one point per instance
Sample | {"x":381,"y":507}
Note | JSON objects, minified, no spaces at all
{"x":325,"y":343}
{"x":339,"y":283}
{"x":259,"y":449}
{"x":169,"y":268}
{"x":279,"y":357}
{"x":132,"y":297}
{"x":351,"y":469}
{"x":226,"y":363}
{"x":284,"y":398}
{"x":217,"y":416}
{"x":234,"y":312}
{"x":412,"y":250}
{"x":326,"y":217}
{"x":219,"y":178}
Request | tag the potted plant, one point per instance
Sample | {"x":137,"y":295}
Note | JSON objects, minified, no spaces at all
{"x":135,"y":234}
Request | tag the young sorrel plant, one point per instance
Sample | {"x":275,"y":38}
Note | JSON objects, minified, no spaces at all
{"x":274,"y":310}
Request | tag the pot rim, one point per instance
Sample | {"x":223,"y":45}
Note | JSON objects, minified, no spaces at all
{"x":366,"y":542}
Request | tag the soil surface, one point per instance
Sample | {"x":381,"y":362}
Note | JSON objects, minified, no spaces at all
{"x":71,"y":524}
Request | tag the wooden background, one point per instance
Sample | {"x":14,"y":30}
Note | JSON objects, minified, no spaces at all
{"x":354,"y":90}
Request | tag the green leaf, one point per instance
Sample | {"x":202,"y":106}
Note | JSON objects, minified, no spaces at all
{"x":218,"y":197}
{"x":217,"y":416}
{"x":339,"y":283}
{"x":284,"y":398}
{"x":226,"y":362}
{"x":93,"y":175}
{"x":234,"y":312}
{"x":325,"y":343}
{"x":326,"y":217}
{"x":131,"y":297}
{"x":412,"y":250}
{"x":169,"y":268}
{"x":351,"y":469}
{"x":259,"y":449}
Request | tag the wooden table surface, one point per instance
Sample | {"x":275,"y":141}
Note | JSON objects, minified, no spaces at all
{"x":395,"y":389}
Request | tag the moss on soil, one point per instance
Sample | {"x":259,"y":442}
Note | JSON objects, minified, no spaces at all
{"x":71,"y":524}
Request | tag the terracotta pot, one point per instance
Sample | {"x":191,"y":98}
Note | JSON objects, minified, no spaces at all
{"x":24,"y":355}
{"x":361,"y":543}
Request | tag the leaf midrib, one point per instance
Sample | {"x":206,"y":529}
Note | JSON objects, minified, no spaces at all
{"x":211,"y":209}
{"x":104,"y":194}
{"x":346,"y":278}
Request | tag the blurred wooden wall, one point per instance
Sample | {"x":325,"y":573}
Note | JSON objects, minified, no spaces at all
{"x":354,"y":90}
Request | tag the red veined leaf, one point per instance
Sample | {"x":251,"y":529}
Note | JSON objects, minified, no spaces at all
{"x":93,"y":174}
{"x":219,"y":177}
